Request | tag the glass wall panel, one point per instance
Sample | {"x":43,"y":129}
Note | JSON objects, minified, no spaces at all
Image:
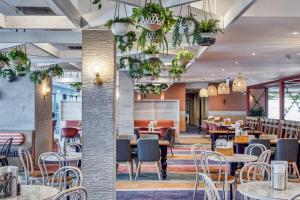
{"x":273,"y":103}
{"x":292,"y":102}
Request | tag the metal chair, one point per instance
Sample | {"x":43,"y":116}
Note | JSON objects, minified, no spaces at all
{"x":294,"y":197}
{"x":221,"y":176}
{"x":170,"y":137}
{"x":255,"y":149}
{"x":45,"y":159}
{"x":4,"y":153}
{"x":265,"y":156}
{"x":77,"y":193}
{"x":265,"y":142}
{"x":287,"y":150}
{"x":148,"y":151}
{"x":255,"y":171}
{"x":124,"y":155}
{"x":31,"y":175}
{"x":196,"y":151}
{"x":67,"y":177}
{"x":211,"y":192}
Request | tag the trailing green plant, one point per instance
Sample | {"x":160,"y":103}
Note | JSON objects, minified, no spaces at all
{"x":4,"y":59}
{"x":9,"y":74}
{"x":127,"y":20}
{"x":77,"y":86}
{"x":151,"y":49}
{"x":257,"y":112}
{"x":184,"y":27}
{"x":176,"y":70}
{"x":125,"y":43}
{"x":152,"y":68}
{"x":134,"y":65}
{"x":144,"y":89}
{"x":98,"y":2}
{"x":55,"y":71}
{"x":20,"y":60}
{"x":209,"y":26}
{"x":184,"y":55}
{"x":38,"y":76}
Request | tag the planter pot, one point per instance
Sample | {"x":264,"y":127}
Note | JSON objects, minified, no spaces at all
{"x":152,"y":23}
{"x":152,"y":56}
{"x":153,"y":39}
{"x":183,"y":62}
{"x":207,"y":39}
{"x":120,"y":28}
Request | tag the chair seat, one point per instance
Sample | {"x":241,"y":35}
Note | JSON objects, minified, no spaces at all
{"x":3,"y":157}
{"x":37,"y":173}
{"x":215,"y":177}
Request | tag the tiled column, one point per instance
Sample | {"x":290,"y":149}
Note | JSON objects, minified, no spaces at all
{"x":98,"y":129}
{"x":126,"y":101}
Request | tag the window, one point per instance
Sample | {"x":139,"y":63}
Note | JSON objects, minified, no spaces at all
{"x":273,"y":103}
{"x":292,"y":102}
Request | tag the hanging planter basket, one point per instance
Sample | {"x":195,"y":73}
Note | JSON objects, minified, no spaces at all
{"x":152,"y":56}
{"x":207,"y":39}
{"x":120,"y":28}
{"x":152,"y":23}
{"x":152,"y":37}
{"x":183,"y":62}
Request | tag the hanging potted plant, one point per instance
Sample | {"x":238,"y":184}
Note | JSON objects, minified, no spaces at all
{"x":125,"y":43}
{"x":39,"y":75}
{"x":77,"y":86}
{"x":119,"y":26}
{"x":4,"y":60}
{"x":176,"y":70}
{"x":184,"y":57}
{"x":20,"y":61}
{"x":152,"y":68}
{"x":9,"y":74}
{"x":55,"y":71}
{"x":206,"y":32}
{"x":134,"y":66}
{"x":184,"y":27}
{"x":142,"y":89}
{"x":151,"y":52}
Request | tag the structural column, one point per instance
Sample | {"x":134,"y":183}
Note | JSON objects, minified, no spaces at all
{"x":281,"y":100}
{"x":98,"y":128}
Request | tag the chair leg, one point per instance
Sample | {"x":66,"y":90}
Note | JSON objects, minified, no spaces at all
{"x":296,"y":169}
{"x":129,"y":164}
{"x":196,"y":185}
{"x":158,"y":170}
{"x":171,"y":150}
{"x":138,"y":170}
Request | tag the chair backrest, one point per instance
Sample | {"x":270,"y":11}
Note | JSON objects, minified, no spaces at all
{"x":211,"y":192}
{"x":294,"y":197}
{"x":26,"y":160}
{"x":255,"y":171}
{"x":77,"y":193}
{"x":265,"y":142}
{"x":136,"y":133}
{"x":148,"y":150}
{"x":45,"y":159}
{"x":218,"y":160}
{"x":60,"y":178}
{"x":59,"y":149}
{"x":270,"y":137}
{"x":196,"y":151}
{"x":265,"y":156}
{"x":149,"y":136}
{"x":6,"y":147}
{"x":73,"y":147}
{"x":287,"y":149}
{"x":255,"y":149}
{"x":123,"y":150}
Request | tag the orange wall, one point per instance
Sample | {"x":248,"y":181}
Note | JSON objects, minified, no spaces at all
{"x":235,"y":101}
{"x":176,"y":91}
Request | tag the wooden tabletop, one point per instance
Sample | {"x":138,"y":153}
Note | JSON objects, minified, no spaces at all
{"x":154,"y":132}
{"x":161,"y":142}
{"x":273,"y":142}
{"x":224,"y":132}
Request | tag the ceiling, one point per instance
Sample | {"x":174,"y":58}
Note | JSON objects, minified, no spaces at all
{"x":258,"y":39}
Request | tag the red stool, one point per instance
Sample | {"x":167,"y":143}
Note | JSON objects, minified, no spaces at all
{"x":69,"y":133}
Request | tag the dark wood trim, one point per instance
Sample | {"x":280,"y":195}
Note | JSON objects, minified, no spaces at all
{"x":281,"y":100}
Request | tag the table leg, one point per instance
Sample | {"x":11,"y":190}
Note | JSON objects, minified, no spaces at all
{"x":164,"y":164}
{"x":213,"y":140}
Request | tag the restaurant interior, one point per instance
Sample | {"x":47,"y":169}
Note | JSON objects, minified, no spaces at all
{"x":149,"y":99}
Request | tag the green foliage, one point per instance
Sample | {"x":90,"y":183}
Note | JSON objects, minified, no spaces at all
{"x":185,"y":24}
{"x":38,"y":76}
{"x":152,"y":49}
{"x":144,"y":89}
{"x":257,"y":112}
{"x":152,"y":67}
{"x":176,"y":70}
{"x":148,"y":10}
{"x":9,"y":74}
{"x":20,"y":60}
{"x":134,"y":66}
{"x":76,"y":85}
{"x":4,"y":59}
{"x":127,"y":20}
{"x":209,"y":26}
{"x":184,"y":55}
{"x":125,"y":43}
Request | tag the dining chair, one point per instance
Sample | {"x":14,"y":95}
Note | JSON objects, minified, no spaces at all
{"x":220,"y":175}
{"x":136,"y":133}
{"x":124,"y":155}
{"x":255,"y":149}
{"x":170,"y":137}
{"x":131,"y":137}
{"x":76,"y":193}
{"x":31,"y":175}
{"x":295,"y":197}
{"x":255,"y":171}
{"x":148,"y":151}
{"x":265,"y":142}
{"x":67,"y":177}
{"x":50,"y":160}
{"x":265,"y":156}
{"x":69,"y":133}
{"x":4,"y":153}
{"x":287,"y":150}
{"x":149,"y":136}
{"x":211,"y":192}
{"x":196,"y":151}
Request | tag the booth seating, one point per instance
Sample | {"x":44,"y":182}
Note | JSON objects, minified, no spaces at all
{"x":20,"y":139}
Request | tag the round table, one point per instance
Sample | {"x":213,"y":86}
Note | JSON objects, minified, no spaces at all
{"x":71,"y":156}
{"x":262,"y":190}
{"x":35,"y":192}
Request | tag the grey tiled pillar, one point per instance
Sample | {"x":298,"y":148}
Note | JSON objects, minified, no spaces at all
{"x":98,"y":129}
{"x":126,"y":101}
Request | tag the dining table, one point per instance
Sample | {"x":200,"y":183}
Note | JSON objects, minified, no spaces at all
{"x":261,"y":190}
{"x":163,"y":145}
{"x":35,"y":192}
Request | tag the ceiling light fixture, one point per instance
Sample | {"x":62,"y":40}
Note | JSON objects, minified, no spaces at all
{"x":253,"y":53}
{"x":212,"y":91}
{"x":295,"y":33}
{"x":203,"y":92}
{"x":223,"y":88}
{"x":223,"y":69}
{"x":239,"y":84}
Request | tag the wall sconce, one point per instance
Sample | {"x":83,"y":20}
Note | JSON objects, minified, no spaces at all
{"x":46,"y":91}
{"x":162,"y":96}
{"x":98,"y":80}
{"x":139,"y":97}
{"x":224,"y":102}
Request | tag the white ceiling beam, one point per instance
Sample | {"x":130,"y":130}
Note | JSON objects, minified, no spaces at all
{"x":48,"y":48}
{"x":2,"y":21}
{"x":38,"y":22}
{"x":55,"y":60}
{"x":71,"y":12}
{"x":237,"y":10}
{"x":175,"y":3}
{"x":41,"y":37}
{"x":70,"y":54}
{"x":8,"y":45}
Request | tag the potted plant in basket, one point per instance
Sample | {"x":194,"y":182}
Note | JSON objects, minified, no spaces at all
{"x":133,"y":65}
{"x":142,"y":89}
{"x":4,"y":60}
{"x":151,"y":52}
{"x":77,"y":86}
{"x":184,"y":27}
{"x":176,"y":70}
{"x":9,"y":74}
{"x":205,"y":32}
{"x":152,"y":68}
{"x":20,"y":60}
{"x":119,"y":26}
{"x":184,"y":57}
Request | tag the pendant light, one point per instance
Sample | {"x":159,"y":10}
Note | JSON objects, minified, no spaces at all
{"x":239,"y":84}
{"x":203,"y":92}
{"x":223,"y":88}
{"x":212,"y":90}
